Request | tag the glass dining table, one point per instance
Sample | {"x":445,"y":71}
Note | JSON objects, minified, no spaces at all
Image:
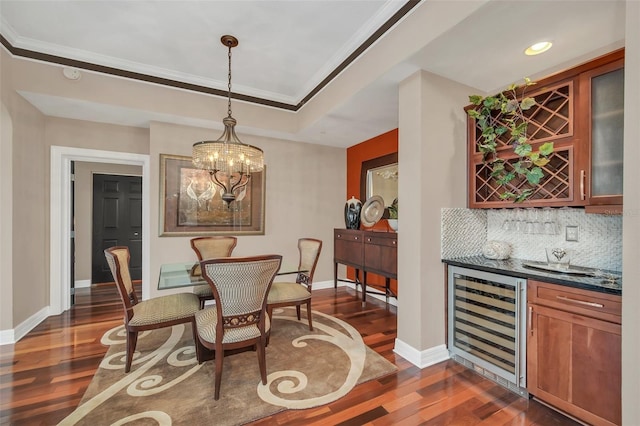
{"x":176,"y":275}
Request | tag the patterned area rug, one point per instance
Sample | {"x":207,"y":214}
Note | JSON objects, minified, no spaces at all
{"x":167,"y":386}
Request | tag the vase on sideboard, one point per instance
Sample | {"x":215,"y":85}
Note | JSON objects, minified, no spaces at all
{"x":352,"y":210}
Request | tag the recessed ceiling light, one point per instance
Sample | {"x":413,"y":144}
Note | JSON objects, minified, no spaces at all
{"x":538,"y":48}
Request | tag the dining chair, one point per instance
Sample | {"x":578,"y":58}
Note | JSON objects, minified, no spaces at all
{"x":239,"y":317}
{"x":141,"y":315}
{"x":298,"y":292}
{"x":209,"y":248}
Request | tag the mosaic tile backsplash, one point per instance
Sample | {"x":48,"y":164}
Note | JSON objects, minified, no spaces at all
{"x":463,"y":231}
{"x":531,"y":231}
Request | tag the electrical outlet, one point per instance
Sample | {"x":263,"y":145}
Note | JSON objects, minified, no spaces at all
{"x":572,"y":233}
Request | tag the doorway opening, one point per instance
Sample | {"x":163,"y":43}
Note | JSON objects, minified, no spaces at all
{"x":61,"y":212}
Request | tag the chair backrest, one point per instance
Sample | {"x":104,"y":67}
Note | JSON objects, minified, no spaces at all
{"x":118,"y":260}
{"x":309,"y":249}
{"x":240,"y":286}
{"x":212,"y":247}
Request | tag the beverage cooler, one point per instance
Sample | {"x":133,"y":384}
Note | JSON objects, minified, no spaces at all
{"x":487,"y":325}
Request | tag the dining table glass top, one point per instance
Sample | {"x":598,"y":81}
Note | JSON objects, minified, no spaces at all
{"x":176,"y":275}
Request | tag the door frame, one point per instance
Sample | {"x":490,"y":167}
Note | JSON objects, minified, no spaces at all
{"x":60,"y":218}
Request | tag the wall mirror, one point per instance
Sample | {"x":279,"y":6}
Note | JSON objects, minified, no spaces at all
{"x":379,"y":176}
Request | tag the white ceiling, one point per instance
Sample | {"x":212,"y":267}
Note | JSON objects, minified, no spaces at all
{"x":288,"y":47}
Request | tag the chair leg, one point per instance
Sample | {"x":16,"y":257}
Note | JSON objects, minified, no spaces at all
{"x":196,"y":342}
{"x":309,"y":314}
{"x":270,"y":314}
{"x":132,"y":340}
{"x":262,"y":361}
{"x":298,"y":311}
{"x":219,"y":358}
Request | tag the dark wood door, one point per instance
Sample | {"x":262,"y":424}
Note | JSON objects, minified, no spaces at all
{"x":117,"y":221}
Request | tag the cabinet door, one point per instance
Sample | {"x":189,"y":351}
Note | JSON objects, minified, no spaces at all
{"x":555,"y":188}
{"x":348,"y":247}
{"x":381,"y":255}
{"x":551,"y":119}
{"x":601,"y":173}
{"x":574,"y":364}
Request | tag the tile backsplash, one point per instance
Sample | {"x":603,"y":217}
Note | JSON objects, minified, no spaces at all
{"x":463,"y":232}
{"x":599,"y":245}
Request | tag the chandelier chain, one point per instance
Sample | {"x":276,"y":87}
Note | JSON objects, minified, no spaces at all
{"x":229,"y":85}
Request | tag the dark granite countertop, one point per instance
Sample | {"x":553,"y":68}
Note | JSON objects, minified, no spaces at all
{"x":602,"y":281}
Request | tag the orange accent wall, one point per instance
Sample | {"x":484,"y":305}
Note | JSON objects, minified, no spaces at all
{"x":386,"y":143}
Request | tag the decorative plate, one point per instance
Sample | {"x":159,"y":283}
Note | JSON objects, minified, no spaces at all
{"x":372,"y":210}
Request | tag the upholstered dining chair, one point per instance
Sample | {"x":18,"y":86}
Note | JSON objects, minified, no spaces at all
{"x":141,"y":315}
{"x":298,"y":292}
{"x":239,"y":317}
{"x":209,"y":248}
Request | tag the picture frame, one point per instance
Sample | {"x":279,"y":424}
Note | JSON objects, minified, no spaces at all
{"x":191,"y":204}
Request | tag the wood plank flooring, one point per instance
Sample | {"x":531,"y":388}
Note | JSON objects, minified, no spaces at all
{"x":45,"y":374}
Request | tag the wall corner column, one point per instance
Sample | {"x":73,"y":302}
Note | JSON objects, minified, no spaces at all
{"x":432,"y":176}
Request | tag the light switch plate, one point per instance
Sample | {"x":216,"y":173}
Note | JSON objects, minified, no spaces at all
{"x":571,"y":233}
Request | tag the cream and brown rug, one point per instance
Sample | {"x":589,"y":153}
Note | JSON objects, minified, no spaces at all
{"x":167,"y":386}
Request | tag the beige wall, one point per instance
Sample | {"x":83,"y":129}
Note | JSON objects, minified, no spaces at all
{"x":84,"y":172}
{"x":305,"y":197}
{"x":6,"y":217}
{"x":90,"y":135}
{"x":631,"y":222}
{"x":432,"y":159}
{"x":30,"y":229}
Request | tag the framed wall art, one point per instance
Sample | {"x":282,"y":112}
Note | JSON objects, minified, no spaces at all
{"x":192,"y":205}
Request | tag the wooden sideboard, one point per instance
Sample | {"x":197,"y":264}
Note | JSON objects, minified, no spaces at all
{"x":366,"y":251}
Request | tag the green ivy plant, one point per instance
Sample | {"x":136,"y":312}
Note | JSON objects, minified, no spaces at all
{"x":510,"y":118}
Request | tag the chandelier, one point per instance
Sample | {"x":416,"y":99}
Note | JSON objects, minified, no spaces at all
{"x":229,"y":161}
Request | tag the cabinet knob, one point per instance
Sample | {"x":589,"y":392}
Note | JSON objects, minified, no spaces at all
{"x":355,"y":238}
{"x":339,"y":235}
{"x":368,"y":240}
{"x":394,"y":243}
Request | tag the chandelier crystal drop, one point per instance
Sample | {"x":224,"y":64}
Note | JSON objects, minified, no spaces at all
{"x":229,"y":161}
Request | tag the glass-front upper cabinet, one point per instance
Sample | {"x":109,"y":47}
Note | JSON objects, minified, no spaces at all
{"x":601,"y":175}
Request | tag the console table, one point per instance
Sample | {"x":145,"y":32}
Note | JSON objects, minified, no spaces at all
{"x":369,"y":251}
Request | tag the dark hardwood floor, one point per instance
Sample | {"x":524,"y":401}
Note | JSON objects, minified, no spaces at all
{"x":45,"y":374}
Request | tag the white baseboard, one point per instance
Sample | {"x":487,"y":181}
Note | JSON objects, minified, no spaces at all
{"x":11,"y":336}
{"x":421,"y":359}
{"x":7,"y":337}
{"x":82,"y":284}
{"x":325,"y":284}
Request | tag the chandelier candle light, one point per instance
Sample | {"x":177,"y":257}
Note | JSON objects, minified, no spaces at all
{"x":229,"y":161}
